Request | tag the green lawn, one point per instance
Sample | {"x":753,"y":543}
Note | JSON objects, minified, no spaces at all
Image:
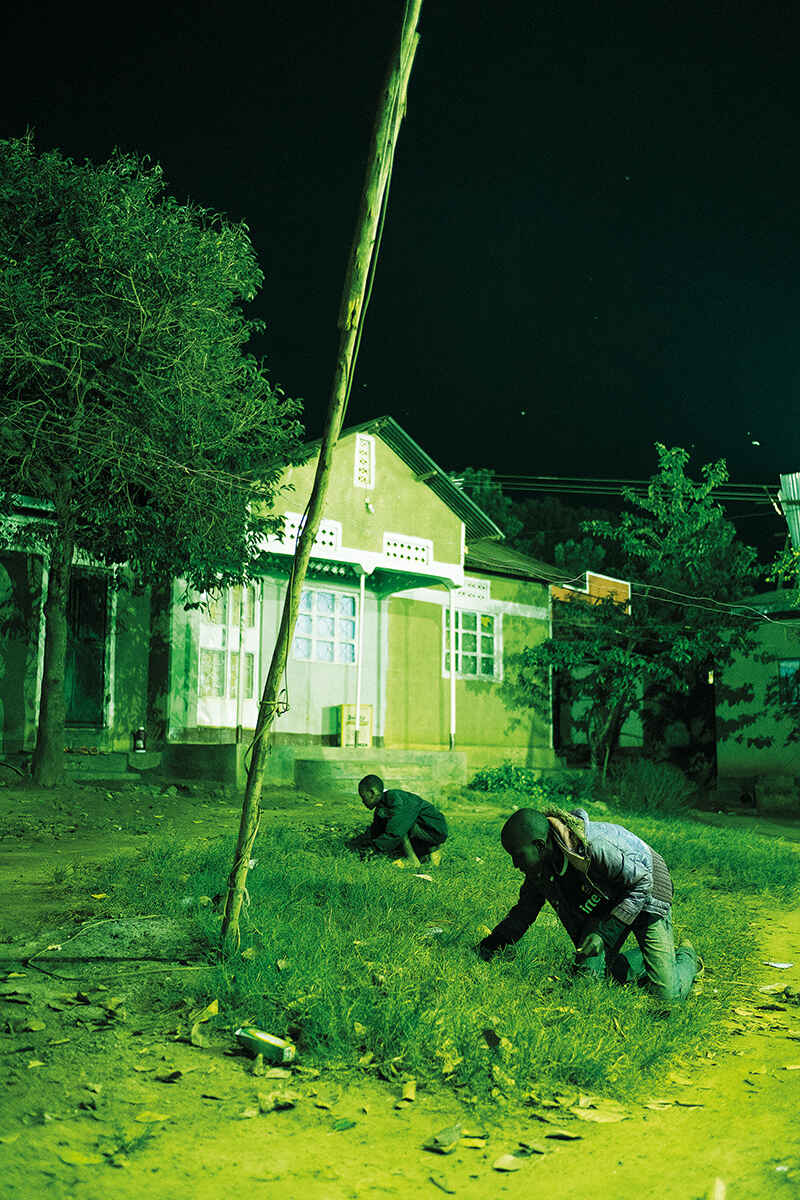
{"x":358,"y":960}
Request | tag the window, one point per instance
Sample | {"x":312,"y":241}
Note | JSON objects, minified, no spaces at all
{"x":477,"y":644}
{"x":247,"y":676}
{"x":212,"y":673}
{"x":246,"y":595}
{"x":364,"y":466}
{"x":404,"y":548}
{"x":326,"y":627}
{"x":789,"y":681}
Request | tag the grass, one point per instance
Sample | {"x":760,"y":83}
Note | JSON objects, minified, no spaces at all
{"x":348,"y":964}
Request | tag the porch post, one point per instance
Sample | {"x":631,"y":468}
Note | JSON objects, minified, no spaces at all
{"x":359,"y":641}
{"x":452,"y":668}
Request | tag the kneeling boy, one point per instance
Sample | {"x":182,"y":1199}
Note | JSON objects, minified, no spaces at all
{"x":402,"y":823}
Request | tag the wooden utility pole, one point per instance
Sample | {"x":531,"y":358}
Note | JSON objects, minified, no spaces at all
{"x":391,"y":109}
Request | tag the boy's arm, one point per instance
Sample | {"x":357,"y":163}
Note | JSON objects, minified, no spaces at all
{"x":513,"y":926}
{"x":401,"y":818}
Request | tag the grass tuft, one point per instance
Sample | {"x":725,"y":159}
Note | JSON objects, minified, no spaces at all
{"x":355,"y":959}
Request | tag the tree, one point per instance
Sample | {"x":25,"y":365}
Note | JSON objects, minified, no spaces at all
{"x":687,"y":568}
{"x":129,"y":402}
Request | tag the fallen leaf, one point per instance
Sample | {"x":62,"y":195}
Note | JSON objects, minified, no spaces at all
{"x":366,"y":1059}
{"x":682,"y":1080}
{"x":603,"y":1116}
{"x":142,"y":1067}
{"x":689,"y":1103}
{"x":792,"y":1067}
{"x":474,"y":1143}
{"x":782,"y":966}
{"x":276,"y":1101}
{"x":149,"y":1118}
{"x":206,"y":1013}
{"x":506,"y":1162}
{"x":33,"y":1026}
{"x":282,"y":964}
{"x":564,"y":1135}
{"x":419,"y":875}
{"x":15,"y":975}
{"x":197,"y":1038}
{"x":342,"y":1123}
{"x":277,"y":1073}
{"x":359,"y":1030}
{"x":409,"y":1091}
{"x":58,"y":1041}
{"x":99,"y":895}
{"x":445,"y":1141}
{"x":442,"y":1184}
{"x":8,"y":1138}
{"x":95,"y":1088}
{"x":35,"y":1062}
{"x":773,"y":989}
{"x":79,"y":1158}
{"x":169,"y":1076}
{"x":246,"y":1113}
{"x":250,"y":952}
{"x":527,"y":1148}
{"x":658,"y":1105}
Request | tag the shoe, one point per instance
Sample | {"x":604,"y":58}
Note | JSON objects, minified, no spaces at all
{"x":436,"y":856}
{"x":688,"y":948}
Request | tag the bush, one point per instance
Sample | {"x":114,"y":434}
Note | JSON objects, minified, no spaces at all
{"x":564,"y":789}
{"x":640,"y":785}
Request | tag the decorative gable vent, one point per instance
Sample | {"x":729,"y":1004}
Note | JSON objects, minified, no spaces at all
{"x":364,"y":468}
{"x":405,"y":549}
{"x":329,"y":534}
{"x":474,"y":589}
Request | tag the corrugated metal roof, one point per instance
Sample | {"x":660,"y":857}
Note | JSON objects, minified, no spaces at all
{"x":487,"y":555}
{"x":789,"y":496}
{"x":476,"y":522}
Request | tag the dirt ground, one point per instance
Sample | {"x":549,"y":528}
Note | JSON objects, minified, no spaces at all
{"x":102,"y":1097}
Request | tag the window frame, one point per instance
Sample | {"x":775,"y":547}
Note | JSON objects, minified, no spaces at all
{"x":335,"y":640}
{"x":480,"y":614}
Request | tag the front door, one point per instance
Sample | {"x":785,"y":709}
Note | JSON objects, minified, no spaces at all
{"x":85,"y":668}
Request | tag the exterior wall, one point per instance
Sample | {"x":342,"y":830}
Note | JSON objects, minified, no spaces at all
{"x":21,"y":653}
{"x":398,"y":503}
{"x":744,"y":709}
{"x":418,"y":705}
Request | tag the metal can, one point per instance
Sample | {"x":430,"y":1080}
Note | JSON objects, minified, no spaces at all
{"x":274,"y":1049}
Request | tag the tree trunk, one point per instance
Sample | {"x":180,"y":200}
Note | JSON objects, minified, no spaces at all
{"x":355,"y":296}
{"x":48,"y":757}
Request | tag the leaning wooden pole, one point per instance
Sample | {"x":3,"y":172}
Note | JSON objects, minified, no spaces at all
{"x":391,"y":109}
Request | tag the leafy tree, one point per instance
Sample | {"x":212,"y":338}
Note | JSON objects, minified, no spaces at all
{"x":129,"y":403}
{"x":686,"y":565}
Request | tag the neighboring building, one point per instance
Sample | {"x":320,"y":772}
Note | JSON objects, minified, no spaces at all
{"x":409,"y":612}
{"x":758,"y":701}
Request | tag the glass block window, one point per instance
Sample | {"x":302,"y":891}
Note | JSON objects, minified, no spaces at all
{"x":477,"y":637}
{"x":364,"y":466}
{"x":328,"y":535}
{"x":406,"y":549}
{"x":247,"y":677}
{"x":326,"y":627}
{"x":789,"y":681}
{"x":212,"y":673}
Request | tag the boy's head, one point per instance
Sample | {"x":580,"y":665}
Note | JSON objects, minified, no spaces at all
{"x":526,"y":837}
{"x":370,"y":790}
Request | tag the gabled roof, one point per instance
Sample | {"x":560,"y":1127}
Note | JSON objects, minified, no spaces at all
{"x":476,"y":523}
{"x":486,"y":555}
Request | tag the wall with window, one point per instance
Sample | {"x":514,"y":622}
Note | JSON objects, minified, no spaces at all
{"x":372,"y":492}
{"x":321,"y":667}
{"x":758,"y":702}
{"x":494,"y":618}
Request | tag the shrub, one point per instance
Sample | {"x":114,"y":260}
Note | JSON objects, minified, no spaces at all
{"x":640,"y":785}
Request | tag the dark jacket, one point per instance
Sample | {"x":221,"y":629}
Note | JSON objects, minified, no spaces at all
{"x":400,"y":814}
{"x":609,"y":873}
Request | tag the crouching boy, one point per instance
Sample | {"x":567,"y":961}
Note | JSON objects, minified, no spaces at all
{"x":403,"y":824}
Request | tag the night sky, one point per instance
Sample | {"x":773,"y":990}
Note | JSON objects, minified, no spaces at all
{"x":593,"y":237}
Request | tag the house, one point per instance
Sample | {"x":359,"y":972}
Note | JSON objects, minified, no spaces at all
{"x":758,"y":705}
{"x":408,"y":614}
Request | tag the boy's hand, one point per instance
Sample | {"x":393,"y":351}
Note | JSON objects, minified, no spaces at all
{"x":485,"y":949}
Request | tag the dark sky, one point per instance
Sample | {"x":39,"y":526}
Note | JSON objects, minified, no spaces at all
{"x":593,"y":239}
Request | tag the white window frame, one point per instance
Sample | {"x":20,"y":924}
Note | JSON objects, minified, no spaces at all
{"x":461,"y":654}
{"x":336,"y":639}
